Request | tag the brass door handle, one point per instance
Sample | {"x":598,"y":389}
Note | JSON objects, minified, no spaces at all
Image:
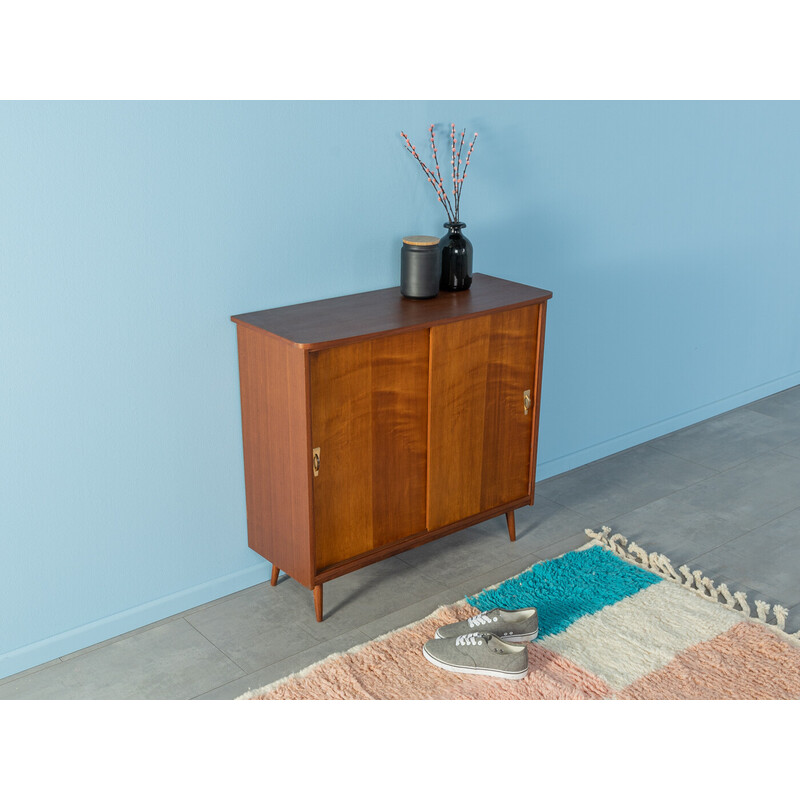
{"x":526,"y":400}
{"x":315,"y":460}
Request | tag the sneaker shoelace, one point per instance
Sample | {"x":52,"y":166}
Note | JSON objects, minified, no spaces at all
{"x":469,"y":639}
{"x":480,"y":619}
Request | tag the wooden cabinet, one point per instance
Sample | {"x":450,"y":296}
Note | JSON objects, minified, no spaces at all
{"x":373,"y":423}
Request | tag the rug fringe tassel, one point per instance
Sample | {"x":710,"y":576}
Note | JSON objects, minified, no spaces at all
{"x":726,"y":593}
{"x":693,"y":580}
{"x":742,"y":598}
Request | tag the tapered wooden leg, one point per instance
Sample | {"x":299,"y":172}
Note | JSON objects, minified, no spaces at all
{"x":512,"y":531}
{"x":275,"y":572}
{"x":318,"y":602}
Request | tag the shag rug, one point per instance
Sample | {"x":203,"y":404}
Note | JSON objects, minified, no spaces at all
{"x":614,"y":623}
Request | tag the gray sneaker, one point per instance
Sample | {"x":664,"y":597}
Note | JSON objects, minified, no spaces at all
{"x":478,"y":654}
{"x":510,"y":625}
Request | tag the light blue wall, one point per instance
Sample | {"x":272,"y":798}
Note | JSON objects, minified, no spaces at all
{"x":130,"y":232}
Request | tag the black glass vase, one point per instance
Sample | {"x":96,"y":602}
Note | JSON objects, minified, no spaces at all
{"x":456,"y":253}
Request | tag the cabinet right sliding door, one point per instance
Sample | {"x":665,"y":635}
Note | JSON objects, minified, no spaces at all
{"x":482,"y":407}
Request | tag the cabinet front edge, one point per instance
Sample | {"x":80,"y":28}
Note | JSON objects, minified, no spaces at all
{"x":327,"y":344}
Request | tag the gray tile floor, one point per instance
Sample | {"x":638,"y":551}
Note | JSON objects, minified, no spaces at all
{"x":722,"y":496}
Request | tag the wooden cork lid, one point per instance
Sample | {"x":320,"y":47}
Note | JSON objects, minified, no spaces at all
{"x":425,"y":241}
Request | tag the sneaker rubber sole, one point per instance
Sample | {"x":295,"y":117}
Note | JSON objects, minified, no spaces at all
{"x":491,"y":673}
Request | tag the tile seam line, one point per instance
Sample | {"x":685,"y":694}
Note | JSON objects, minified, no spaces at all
{"x":765,"y":413}
{"x":9,"y":679}
{"x":695,"y":559}
{"x":222,"y":685}
{"x":651,"y":443}
{"x":93,"y":648}
{"x":666,"y":496}
{"x":770,"y":521}
{"x":773,"y":451}
{"x":116,"y":639}
{"x":660,"y":497}
{"x":218,"y":649}
{"x":717,"y":473}
{"x":535,"y":553}
{"x":267,"y":666}
{"x":278,"y":663}
{"x":654,"y":445}
{"x":102,"y":646}
{"x":776,"y":449}
{"x":783,"y":452}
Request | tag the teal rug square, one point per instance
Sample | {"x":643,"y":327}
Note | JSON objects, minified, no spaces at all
{"x":566,"y":588}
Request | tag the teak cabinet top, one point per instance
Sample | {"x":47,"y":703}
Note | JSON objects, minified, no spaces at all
{"x":324,"y":323}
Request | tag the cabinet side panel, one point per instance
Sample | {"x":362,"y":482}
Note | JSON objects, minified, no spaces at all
{"x":537,"y":396}
{"x":276,"y":451}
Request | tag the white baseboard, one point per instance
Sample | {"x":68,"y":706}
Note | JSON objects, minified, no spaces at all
{"x":548,"y":469}
{"x":62,"y":644}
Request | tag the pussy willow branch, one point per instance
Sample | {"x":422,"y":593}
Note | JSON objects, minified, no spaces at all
{"x":457,"y":189}
{"x":435,"y":178}
{"x":453,"y":162}
{"x":440,"y":193}
{"x":466,"y":165}
{"x":439,"y":175}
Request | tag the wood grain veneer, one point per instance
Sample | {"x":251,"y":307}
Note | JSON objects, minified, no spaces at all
{"x":369,"y":411}
{"x":537,"y":397}
{"x":275,"y":443}
{"x":480,"y":436}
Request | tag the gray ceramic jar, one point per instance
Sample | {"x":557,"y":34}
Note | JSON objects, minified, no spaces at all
{"x":420,"y":267}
